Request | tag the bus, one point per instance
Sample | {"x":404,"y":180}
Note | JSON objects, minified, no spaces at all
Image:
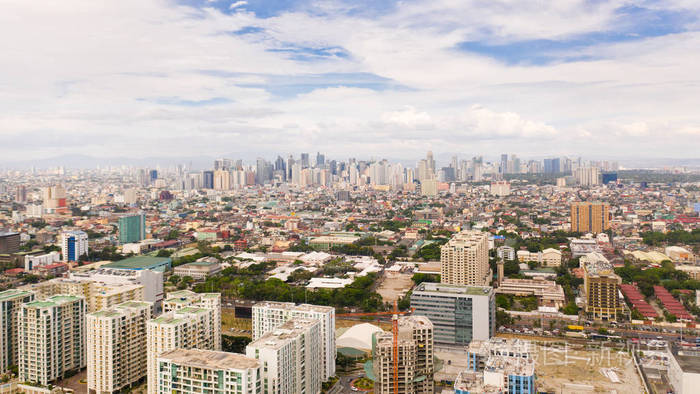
{"x":575,"y":328}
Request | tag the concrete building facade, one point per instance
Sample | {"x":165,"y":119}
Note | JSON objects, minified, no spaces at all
{"x":464,"y":259}
{"x":116,"y":347}
{"x":51,"y":338}
{"x":459,"y":314}
{"x":10,"y":304}
{"x":267,"y":316}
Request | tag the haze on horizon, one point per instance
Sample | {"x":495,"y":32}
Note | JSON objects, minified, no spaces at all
{"x":150,"y":78}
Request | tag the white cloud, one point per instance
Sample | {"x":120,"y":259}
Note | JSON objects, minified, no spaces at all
{"x":116,"y":71}
{"x":237,"y":4}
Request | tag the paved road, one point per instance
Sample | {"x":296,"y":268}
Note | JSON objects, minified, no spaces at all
{"x":343,"y":385}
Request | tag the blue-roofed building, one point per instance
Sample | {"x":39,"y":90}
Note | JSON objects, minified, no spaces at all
{"x":136,"y":263}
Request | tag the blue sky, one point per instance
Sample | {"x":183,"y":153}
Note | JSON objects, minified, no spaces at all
{"x":376,"y":78}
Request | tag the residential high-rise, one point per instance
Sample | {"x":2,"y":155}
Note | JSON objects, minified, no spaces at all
{"x":601,"y":286}
{"x":151,"y":280}
{"x":459,"y":313}
{"x":73,"y":245}
{"x":132,"y":228}
{"x":267,"y":316}
{"x":498,"y":366}
{"x":208,"y":179}
{"x":415,"y":358}
{"x":590,"y":217}
{"x":116,"y":347}
{"x":222,"y":180}
{"x":464,"y":259}
{"x":291,"y":357}
{"x":587,"y":176}
{"x":97,"y":295}
{"x":10,"y":303}
{"x":9,"y":242}
{"x":177,"y":300}
{"x":187,"y":328}
{"x":51,"y":338}
{"x":207,"y":371}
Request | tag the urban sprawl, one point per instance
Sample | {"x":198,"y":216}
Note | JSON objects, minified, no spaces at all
{"x":308,"y":275}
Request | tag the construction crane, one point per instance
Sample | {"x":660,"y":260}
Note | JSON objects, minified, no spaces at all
{"x":395,"y":333}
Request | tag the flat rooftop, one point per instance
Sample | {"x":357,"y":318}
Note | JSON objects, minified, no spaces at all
{"x":139,"y":262}
{"x":283,"y":334}
{"x":13,"y":293}
{"x":210,"y":359}
{"x":290,"y":306}
{"x":444,"y":289}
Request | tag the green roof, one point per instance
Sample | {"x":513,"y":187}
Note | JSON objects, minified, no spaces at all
{"x":139,"y":262}
{"x":192,"y":309}
{"x":105,"y":313}
{"x":13,"y":293}
{"x":167,"y":320}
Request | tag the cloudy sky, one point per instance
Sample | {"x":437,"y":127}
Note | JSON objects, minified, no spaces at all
{"x":361,"y":78}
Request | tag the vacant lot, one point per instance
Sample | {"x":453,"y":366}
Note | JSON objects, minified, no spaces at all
{"x":394,"y":285}
{"x":236,"y":326}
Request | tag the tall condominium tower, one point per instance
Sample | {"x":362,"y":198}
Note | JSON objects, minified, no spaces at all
{"x":177,"y":300}
{"x":590,"y":217}
{"x":208,"y":371}
{"x":73,"y":245}
{"x":116,"y":346}
{"x":415,"y":358}
{"x":10,"y":303}
{"x":187,"y":328}
{"x":132,"y":228}
{"x":51,"y":338}
{"x":464,"y":259}
{"x":291,"y":357}
{"x":267,"y":316}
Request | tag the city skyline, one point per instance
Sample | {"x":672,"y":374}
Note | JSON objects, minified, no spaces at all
{"x":389,"y":79}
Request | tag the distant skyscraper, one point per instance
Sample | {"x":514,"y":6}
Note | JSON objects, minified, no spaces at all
{"x":590,"y":217}
{"x":223,"y":164}
{"x":552,"y":166}
{"x":132,"y":228}
{"x":305,"y":160}
{"x":21,"y":194}
{"x":208,"y":179}
{"x":320,"y":159}
{"x":504,"y":164}
{"x":73,"y":245}
{"x":153,"y":175}
{"x":587,"y":176}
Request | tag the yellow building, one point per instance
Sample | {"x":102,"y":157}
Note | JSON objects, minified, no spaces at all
{"x":590,"y":217}
{"x":601,"y":284}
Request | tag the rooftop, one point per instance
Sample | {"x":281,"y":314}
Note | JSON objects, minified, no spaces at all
{"x":292,"y":306}
{"x":139,"y":262}
{"x":284,"y":333}
{"x":210,"y":359}
{"x":447,"y":289}
{"x":13,"y":293}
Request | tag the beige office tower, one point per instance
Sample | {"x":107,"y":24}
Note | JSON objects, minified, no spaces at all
{"x":116,"y":347}
{"x":51,"y":338}
{"x":267,"y":316}
{"x":464,"y":259}
{"x":207,"y":371}
{"x":290,"y":357}
{"x":98,"y":295}
{"x":10,"y":303}
{"x":601,"y":286}
{"x":187,"y":328}
{"x":415,"y":358}
{"x":177,"y":300}
{"x":590,"y":217}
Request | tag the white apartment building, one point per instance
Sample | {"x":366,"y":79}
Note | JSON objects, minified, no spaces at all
{"x":73,"y":245}
{"x":187,"y":328}
{"x":290,"y":358}
{"x":464,"y":259}
{"x":116,"y":346}
{"x":267,"y":316}
{"x":32,"y":262}
{"x":177,"y":300}
{"x":207,"y":371}
{"x":98,"y":295}
{"x":152,"y":282}
{"x":10,"y":303}
{"x":51,"y":338}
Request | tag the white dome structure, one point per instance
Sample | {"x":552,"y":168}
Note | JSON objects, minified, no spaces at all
{"x":358,"y":337}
